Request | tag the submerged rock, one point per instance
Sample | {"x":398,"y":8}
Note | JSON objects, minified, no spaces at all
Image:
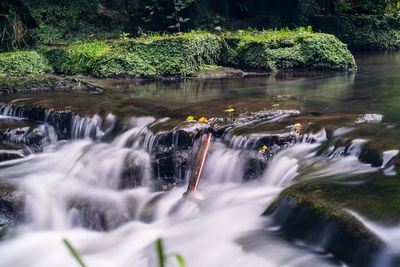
{"x":11,"y":203}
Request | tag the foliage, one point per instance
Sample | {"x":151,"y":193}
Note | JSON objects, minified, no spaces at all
{"x":326,"y":52}
{"x":176,"y":55}
{"x":171,"y":10}
{"x":78,"y":58}
{"x":178,"y":7}
{"x":74,"y":253}
{"x":285,"y":49}
{"x":23,"y":63}
{"x":162,"y":256}
{"x":61,"y":21}
{"x":185,"y":54}
{"x":372,"y":31}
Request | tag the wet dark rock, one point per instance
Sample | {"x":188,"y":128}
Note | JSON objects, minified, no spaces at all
{"x":11,"y":205}
{"x":324,"y":228}
{"x":12,"y":154}
{"x":33,"y":137}
{"x":51,"y":83}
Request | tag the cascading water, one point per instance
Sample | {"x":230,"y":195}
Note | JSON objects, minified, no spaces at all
{"x":75,"y":189}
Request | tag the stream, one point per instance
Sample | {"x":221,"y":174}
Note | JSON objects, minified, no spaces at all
{"x":107,"y":170}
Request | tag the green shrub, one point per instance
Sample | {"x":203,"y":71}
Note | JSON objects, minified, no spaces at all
{"x":23,"y":63}
{"x":78,"y":58}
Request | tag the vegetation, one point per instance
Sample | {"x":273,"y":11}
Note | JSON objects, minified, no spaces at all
{"x":27,"y":22}
{"x":23,"y":63}
{"x":185,"y":54}
{"x":74,"y":253}
{"x":162,"y":257}
{"x":78,"y":58}
{"x":272,"y":50}
{"x":362,"y":32}
{"x":176,"y":55}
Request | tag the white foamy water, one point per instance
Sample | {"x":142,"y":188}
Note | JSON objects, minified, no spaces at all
{"x":73,"y":188}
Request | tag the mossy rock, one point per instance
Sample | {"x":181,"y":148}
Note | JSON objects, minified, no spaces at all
{"x":185,"y":54}
{"x":282,"y":50}
{"x":314,"y":212}
{"x":23,"y":63}
{"x":78,"y":58}
{"x":175,"y":55}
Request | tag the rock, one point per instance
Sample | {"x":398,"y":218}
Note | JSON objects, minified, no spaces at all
{"x":11,"y":207}
{"x":310,"y":217}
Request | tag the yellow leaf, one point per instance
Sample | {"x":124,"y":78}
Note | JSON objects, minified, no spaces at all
{"x":297,"y":127}
{"x":229,"y":110}
{"x":190,"y":118}
{"x":263,"y":149}
{"x":202,"y":120}
{"x":275,"y":105}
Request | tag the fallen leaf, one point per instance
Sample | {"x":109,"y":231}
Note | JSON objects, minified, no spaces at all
{"x":229,"y":110}
{"x":202,"y":120}
{"x":190,"y":118}
{"x":263,"y":149}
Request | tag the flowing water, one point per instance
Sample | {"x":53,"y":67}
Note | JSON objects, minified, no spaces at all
{"x":93,"y":181}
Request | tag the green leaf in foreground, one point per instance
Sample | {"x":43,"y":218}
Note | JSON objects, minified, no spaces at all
{"x":162,"y":257}
{"x":179,"y":259}
{"x":74,"y":253}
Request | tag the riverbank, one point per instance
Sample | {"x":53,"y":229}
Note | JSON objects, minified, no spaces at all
{"x":183,"y":55}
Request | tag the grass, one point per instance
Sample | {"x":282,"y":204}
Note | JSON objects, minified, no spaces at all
{"x":162,"y":257}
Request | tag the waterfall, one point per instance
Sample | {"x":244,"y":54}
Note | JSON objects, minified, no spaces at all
{"x":76,"y":188}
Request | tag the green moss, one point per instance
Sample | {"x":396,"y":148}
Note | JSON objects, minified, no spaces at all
{"x":23,"y":63}
{"x":277,"y":50}
{"x":326,"y":52}
{"x":186,"y":54}
{"x":78,"y":58}
{"x":177,"y":55}
{"x":376,"y":199}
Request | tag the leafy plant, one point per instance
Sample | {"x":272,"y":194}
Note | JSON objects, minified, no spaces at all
{"x":23,"y":63}
{"x":162,"y":257}
{"x":74,"y":253}
{"x":393,"y":8}
{"x":176,"y":16}
{"x":124,"y":36}
{"x":151,"y":10}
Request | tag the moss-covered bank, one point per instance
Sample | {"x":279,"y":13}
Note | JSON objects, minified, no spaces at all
{"x":185,"y":54}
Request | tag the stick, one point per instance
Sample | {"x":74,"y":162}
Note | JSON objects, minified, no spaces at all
{"x":198,"y":167}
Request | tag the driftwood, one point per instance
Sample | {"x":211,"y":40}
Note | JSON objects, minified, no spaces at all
{"x":198,"y":167}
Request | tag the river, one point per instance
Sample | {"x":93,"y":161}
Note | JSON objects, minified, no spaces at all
{"x":112,"y":183}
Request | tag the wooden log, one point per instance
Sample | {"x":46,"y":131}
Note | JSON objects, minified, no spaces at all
{"x":199,"y":164}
